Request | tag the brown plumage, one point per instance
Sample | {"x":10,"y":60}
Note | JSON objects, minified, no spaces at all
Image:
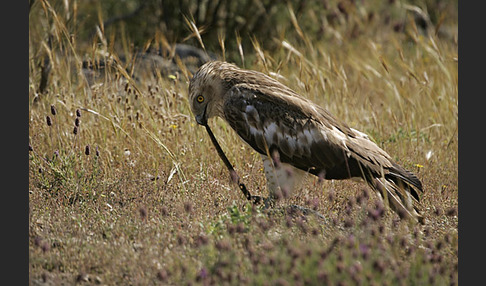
{"x":274,"y":119}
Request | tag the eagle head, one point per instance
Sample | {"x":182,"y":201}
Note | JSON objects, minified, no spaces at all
{"x":206,"y":92}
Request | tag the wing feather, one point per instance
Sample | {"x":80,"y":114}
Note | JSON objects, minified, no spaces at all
{"x":308,"y":137}
{"x":267,"y":122}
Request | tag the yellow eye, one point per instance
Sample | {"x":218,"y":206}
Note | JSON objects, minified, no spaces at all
{"x":200,"y":98}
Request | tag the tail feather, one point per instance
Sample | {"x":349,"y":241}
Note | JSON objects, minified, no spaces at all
{"x":399,"y":196}
{"x":406,"y":178}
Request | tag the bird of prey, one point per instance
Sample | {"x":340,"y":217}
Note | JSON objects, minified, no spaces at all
{"x":289,"y":130}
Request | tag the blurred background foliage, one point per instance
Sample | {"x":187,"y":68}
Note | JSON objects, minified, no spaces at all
{"x":136,"y":24}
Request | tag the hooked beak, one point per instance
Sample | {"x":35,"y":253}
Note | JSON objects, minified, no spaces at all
{"x":201,"y":118}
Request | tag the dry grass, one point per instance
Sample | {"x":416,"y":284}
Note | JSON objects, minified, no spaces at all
{"x":151,"y":202}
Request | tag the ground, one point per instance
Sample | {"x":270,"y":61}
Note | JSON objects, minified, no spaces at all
{"x":126,"y":188}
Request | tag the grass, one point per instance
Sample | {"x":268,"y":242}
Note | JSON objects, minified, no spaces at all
{"x":152,"y":203}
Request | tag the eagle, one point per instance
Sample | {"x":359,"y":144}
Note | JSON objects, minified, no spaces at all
{"x":293,"y":135}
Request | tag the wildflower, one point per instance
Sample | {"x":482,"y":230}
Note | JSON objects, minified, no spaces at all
{"x":364,"y":250}
{"x":409,"y":250}
{"x":53,"y":110}
{"x":78,"y":113}
{"x":323,"y":277}
{"x":340,"y":267}
{"x":75,"y":130}
{"x":350,"y":241}
{"x":223,"y":245}
{"x":37,"y":241}
{"x":76,"y":122}
{"x":202,"y":239}
{"x":379,"y":266}
{"x":162,"y":275}
{"x":288,"y":221}
{"x":45,"y":246}
{"x":202,"y":274}
{"x":377,"y":212}
{"x":49,"y":121}
{"x":331,"y":196}
{"x":87,"y":150}
{"x":348,"y":222}
{"x":240,"y":227}
{"x":231,"y":229}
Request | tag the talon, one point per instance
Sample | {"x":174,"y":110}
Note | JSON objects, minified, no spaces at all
{"x":256,"y":199}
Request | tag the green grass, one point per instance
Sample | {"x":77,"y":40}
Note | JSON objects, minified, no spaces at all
{"x":152,"y":203}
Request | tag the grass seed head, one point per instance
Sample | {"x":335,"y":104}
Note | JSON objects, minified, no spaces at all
{"x":181,"y":240}
{"x":164,"y":211}
{"x":143,"y":213}
{"x":37,"y":241}
{"x":451,"y":212}
{"x":188,"y":208}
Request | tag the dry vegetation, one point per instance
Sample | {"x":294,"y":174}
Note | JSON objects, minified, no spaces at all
{"x":125,"y":187}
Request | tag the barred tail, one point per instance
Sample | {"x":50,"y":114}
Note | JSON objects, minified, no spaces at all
{"x":401,"y":197}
